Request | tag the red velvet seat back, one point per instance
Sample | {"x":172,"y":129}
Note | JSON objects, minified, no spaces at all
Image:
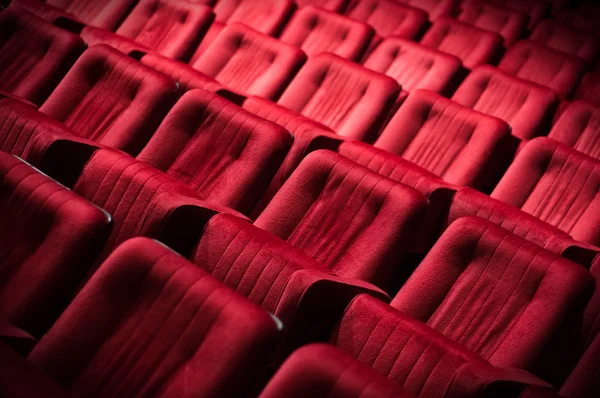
{"x":579,"y":128}
{"x":556,"y":36}
{"x":106,"y":14}
{"x":388,"y":18}
{"x":508,"y":23}
{"x":266,"y":16}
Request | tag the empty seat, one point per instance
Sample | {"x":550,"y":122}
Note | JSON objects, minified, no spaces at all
{"x":187,"y":77}
{"x":415,"y":66}
{"x":468,"y":202}
{"x":462,"y":146}
{"x":34,"y":54}
{"x":544,"y":66}
{"x":510,"y":24}
{"x":112,"y":99}
{"x":150,"y":323}
{"x":93,"y":36}
{"x":173,"y":29}
{"x":525,"y":106}
{"x":266,"y":16}
{"x":322,"y":371}
{"x":557,"y":36}
{"x":43,"y":10}
{"x":580,"y":21}
{"x":497,"y":294}
{"x":435,"y":8}
{"x":224,"y":153}
{"x":589,"y":88}
{"x":106,"y":14}
{"x":418,"y":358}
{"x":27,"y":133}
{"x":318,"y":31}
{"x":249,"y":62}
{"x":472,"y":45}
{"x":354,"y":221}
{"x":388,"y":17}
{"x":346,"y":97}
{"x":556,"y":184}
{"x":48,"y":241}
{"x":535,"y":9}
{"x":331,"y":5}
{"x":579,"y":128}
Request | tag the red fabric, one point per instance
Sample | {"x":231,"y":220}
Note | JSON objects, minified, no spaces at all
{"x":354,"y":221}
{"x":510,"y":24}
{"x":321,"y":370}
{"x":49,"y":239}
{"x":110,"y":98}
{"x":579,"y":128}
{"x":317,"y":31}
{"x":583,"y":381}
{"x":173,"y":29}
{"x":224,"y":153}
{"x":495,"y":293}
{"x":462,"y":146}
{"x":580,"y":21}
{"x":415,"y":66}
{"x":187,"y":77}
{"x":209,"y":37}
{"x":535,"y":9}
{"x":35,"y":55}
{"x":435,"y":8}
{"x":331,"y":5}
{"x":249,"y":62}
{"x":555,"y":184}
{"x":93,"y":36}
{"x":539,"y":64}
{"x":472,"y":45}
{"x":351,"y":100}
{"x":525,"y":106}
{"x":42,"y":10}
{"x":420,"y":359}
{"x":150,"y":323}
{"x":388,"y":17}
{"x":561,"y":38}
{"x":106,"y":14}
{"x":589,"y":88}
{"x":265,"y":16}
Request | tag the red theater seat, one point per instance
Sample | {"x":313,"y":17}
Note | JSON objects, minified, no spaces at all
{"x":187,"y":77}
{"x":265,"y":16}
{"x":34,"y":54}
{"x":106,"y":14}
{"x":93,"y":36}
{"x":48,"y":242}
{"x":415,"y":66}
{"x":462,"y":146}
{"x":354,"y":221}
{"x":556,"y":184}
{"x":322,"y":371}
{"x":496,"y":294}
{"x":249,"y":62}
{"x":43,"y":10}
{"x":224,"y":153}
{"x":580,"y":21}
{"x":344,"y":96}
{"x":388,"y":17}
{"x":510,"y":24}
{"x":558,"y":37}
{"x":418,"y":358}
{"x":589,"y":88}
{"x":579,"y":128}
{"x":150,"y":323}
{"x":435,"y":8}
{"x":527,"y":107}
{"x":110,"y":98}
{"x":173,"y":29}
{"x":535,"y":9}
{"x":472,"y":45}
{"x":331,"y":5}
{"x":319,"y":31}
{"x":544,"y":66}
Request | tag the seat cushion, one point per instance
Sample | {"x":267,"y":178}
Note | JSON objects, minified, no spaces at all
{"x":112,"y":99}
{"x":579,"y":128}
{"x":472,"y":45}
{"x":267,"y":16}
{"x":541,"y":65}
{"x":348,"y":98}
{"x":171,"y":29}
{"x":415,"y":66}
{"x":525,"y":106}
{"x":435,"y":8}
{"x":510,"y":24}
{"x":249,"y":62}
{"x":34,"y":54}
{"x":331,"y":5}
{"x":317,"y":31}
{"x":556,"y":184}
